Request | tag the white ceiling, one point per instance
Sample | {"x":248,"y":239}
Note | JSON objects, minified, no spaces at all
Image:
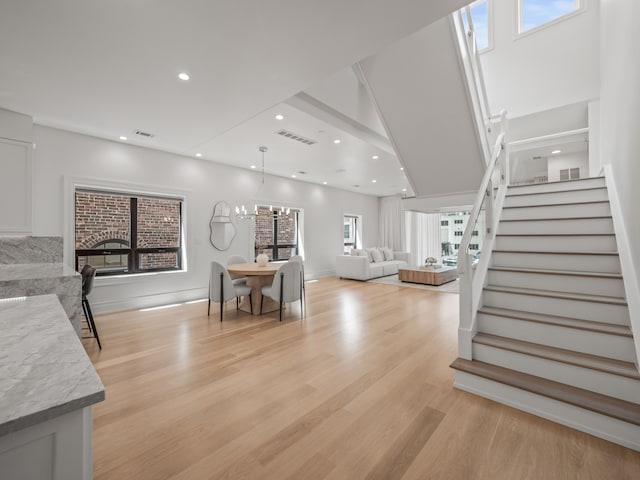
{"x":110,"y":68}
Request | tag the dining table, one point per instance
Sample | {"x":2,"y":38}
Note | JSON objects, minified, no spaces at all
{"x":257,"y":276}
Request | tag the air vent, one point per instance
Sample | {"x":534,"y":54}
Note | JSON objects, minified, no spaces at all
{"x":537,"y":157}
{"x":302,"y":172}
{"x":296,"y":137}
{"x":144,"y":134}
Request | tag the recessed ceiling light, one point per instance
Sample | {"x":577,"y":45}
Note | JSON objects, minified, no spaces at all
{"x":404,"y":189}
{"x":253,"y":166}
{"x":122,"y":137}
{"x":556,"y":151}
{"x":279,"y":117}
{"x":183,"y":76}
{"x":375,"y":157}
{"x":374,"y":181}
{"x":293,"y":175}
{"x":402,"y":168}
{"x":337,"y":140}
{"x":324,"y":183}
{"x":198,"y":154}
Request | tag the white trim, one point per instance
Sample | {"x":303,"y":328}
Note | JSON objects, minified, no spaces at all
{"x":489,"y":24}
{"x":72,"y":183}
{"x":148,"y":301}
{"x":581,"y":7}
{"x":610,"y":429}
{"x":26,"y":227}
{"x":629,"y":275}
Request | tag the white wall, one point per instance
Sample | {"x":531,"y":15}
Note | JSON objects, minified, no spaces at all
{"x":61,"y":154}
{"x":620,"y":109}
{"x":571,"y":160}
{"x":555,"y":66}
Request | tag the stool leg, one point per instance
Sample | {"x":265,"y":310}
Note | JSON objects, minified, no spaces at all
{"x":85,"y":302}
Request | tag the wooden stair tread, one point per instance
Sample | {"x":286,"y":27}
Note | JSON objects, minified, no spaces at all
{"x":555,"y":235}
{"x":556,"y":182}
{"x":584,"y":360}
{"x":548,"y":192}
{"x":561,"y":295}
{"x":571,"y":273}
{"x":599,"y":327}
{"x":555,"y":204}
{"x":552,"y":219}
{"x":555,"y":252}
{"x":595,"y":402}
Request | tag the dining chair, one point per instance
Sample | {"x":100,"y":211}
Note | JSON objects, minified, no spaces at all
{"x":88,"y":275}
{"x":303,"y":293}
{"x":222,"y":289}
{"x":285,"y":287}
{"x":234,"y":260}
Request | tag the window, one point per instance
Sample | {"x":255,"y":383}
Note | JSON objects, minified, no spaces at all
{"x":444,"y":223}
{"x":350,"y":233}
{"x":473,"y":246}
{"x":458,"y":233}
{"x":481,"y":23}
{"x":120,"y":233}
{"x":536,"y":13}
{"x":458,"y":222}
{"x":474,"y":233}
{"x":570,"y":174}
{"x":276,"y":232}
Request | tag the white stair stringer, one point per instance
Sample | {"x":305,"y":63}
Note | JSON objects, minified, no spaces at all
{"x":553,"y":326}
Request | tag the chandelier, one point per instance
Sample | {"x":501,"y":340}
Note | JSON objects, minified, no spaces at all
{"x":243,"y":214}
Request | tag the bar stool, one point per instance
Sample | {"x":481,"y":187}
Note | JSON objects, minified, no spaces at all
{"x":88,"y":274}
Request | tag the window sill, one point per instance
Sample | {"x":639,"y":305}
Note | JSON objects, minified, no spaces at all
{"x":132,"y":278}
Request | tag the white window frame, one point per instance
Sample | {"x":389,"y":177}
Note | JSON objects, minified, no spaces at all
{"x":580,"y":7}
{"x":489,"y":23}
{"x":71,"y":184}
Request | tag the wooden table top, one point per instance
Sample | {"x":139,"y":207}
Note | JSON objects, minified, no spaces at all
{"x":254,"y":269}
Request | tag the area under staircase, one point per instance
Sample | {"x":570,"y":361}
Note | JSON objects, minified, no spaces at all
{"x":551,"y":332}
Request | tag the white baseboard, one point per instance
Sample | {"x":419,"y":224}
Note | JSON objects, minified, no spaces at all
{"x":148,"y":301}
{"x":607,"y":428}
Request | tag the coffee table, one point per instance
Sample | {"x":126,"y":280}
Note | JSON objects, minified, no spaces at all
{"x":428,"y":275}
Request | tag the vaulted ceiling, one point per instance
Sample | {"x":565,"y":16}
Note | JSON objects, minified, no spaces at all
{"x":111,"y":68}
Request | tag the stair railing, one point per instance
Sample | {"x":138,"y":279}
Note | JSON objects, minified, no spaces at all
{"x":492,"y":190}
{"x":489,"y":200}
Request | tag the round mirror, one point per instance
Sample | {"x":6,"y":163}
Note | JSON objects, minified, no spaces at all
{"x":222,"y":229}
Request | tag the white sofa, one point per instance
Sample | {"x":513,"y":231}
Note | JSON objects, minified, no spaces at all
{"x":360,"y":267}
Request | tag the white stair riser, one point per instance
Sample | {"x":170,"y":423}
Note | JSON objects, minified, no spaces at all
{"x":549,"y":198}
{"x":558,"y":186}
{"x":561,"y":307}
{"x":558,"y":243}
{"x":609,"y":287}
{"x":596,"y":381}
{"x":557,"y":211}
{"x":603,"y":345}
{"x":582,"y":225}
{"x":550,"y":261}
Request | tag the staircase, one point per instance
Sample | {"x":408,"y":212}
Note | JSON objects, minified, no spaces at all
{"x":553,"y":331}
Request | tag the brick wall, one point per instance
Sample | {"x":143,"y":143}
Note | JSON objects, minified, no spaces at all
{"x":264,"y":232}
{"x":104,"y":217}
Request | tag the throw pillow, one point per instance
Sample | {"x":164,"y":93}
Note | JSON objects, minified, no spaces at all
{"x":370,"y":253}
{"x":358,"y":252}
{"x":377,"y":255}
{"x":387,"y":252}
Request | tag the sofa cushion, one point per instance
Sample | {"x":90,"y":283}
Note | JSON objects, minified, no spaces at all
{"x":391,"y":267}
{"x":376,"y":270}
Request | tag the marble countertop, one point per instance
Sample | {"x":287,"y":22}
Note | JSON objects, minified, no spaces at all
{"x":44,"y":369}
{"x":29,"y":271}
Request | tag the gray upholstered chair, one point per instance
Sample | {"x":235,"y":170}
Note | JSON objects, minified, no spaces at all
{"x":234,"y":260}
{"x":222,"y":289}
{"x":285,"y":287}
{"x":303,"y":293}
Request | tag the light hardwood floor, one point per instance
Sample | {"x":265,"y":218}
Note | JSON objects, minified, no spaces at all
{"x":360,"y":388}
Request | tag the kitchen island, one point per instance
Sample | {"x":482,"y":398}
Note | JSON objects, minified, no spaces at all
{"x":47,"y":388}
